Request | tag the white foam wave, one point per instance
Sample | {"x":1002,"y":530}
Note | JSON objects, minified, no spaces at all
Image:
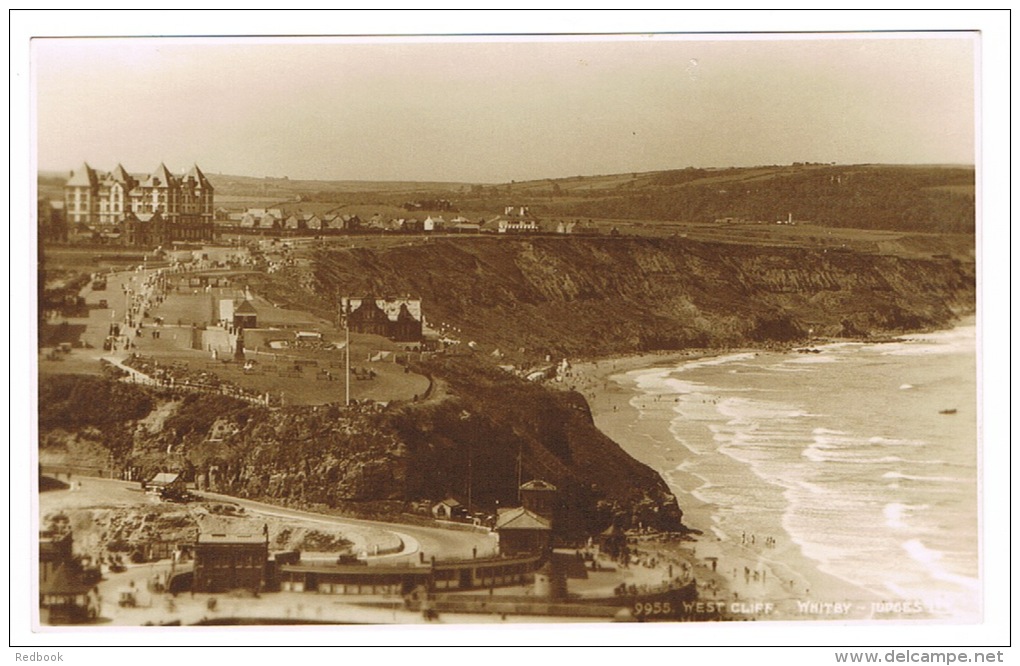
{"x":743,"y":409}
{"x":931,"y":559}
{"x":894,"y":515}
{"x":831,"y":454}
{"x":887,"y":441}
{"x":715,"y":360}
{"x":955,"y":341}
{"x":812,"y":359}
{"x":660,"y":382}
{"x":812,"y":488}
{"x":914,"y":477}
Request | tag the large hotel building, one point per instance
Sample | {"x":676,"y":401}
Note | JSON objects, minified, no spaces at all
{"x":159,"y":209}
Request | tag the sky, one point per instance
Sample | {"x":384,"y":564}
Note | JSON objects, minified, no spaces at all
{"x":496,"y":109}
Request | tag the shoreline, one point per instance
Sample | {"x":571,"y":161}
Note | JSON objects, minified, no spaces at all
{"x":746,"y":571}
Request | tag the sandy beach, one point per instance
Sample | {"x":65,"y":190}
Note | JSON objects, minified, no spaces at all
{"x":760,"y":574}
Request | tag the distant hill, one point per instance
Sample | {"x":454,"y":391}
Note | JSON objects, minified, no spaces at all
{"x":895,"y":197}
{"x":282,"y":187}
{"x":932,"y":198}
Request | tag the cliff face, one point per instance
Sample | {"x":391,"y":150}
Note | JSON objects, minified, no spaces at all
{"x":492,"y":430}
{"x":481,"y":431}
{"x":592,"y":296}
{"x":483,"y":428}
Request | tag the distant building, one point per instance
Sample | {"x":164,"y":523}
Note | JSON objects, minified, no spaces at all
{"x":517,"y":225}
{"x":576,"y":228}
{"x":516,"y":211}
{"x":245,"y":316}
{"x":230,"y":555}
{"x":158,"y":209}
{"x":462,"y":224}
{"x":349,"y":222}
{"x":448,"y":509}
{"x":539,"y":497}
{"x":269,"y":221}
{"x":529,"y":527}
{"x":165,"y":481}
{"x":399,"y":319}
{"x":522,"y":531}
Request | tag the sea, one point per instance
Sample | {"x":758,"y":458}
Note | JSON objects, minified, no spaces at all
{"x":864,"y":455}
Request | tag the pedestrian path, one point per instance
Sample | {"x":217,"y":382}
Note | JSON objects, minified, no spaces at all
{"x":134,"y":376}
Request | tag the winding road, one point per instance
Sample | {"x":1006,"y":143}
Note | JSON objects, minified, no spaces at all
{"x":417,"y":543}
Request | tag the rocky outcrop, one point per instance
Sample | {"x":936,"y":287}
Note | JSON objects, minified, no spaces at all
{"x":475,"y":438}
{"x":493,"y":430}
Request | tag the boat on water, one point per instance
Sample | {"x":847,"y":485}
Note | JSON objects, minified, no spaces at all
{"x":947,"y":411}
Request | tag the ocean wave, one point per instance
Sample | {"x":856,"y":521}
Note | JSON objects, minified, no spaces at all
{"x":812,"y":360}
{"x":834,"y":439}
{"x":715,"y":360}
{"x":931,"y":559}
{"x":744,"y":409}
{"x":782,"y":368}
{"x":914,"y":477}
{"x":891,"y":441}
{"x":820,"y":455}
{"x":810,"y":454}
{"x":957,"y":342}
{"x":812,"y":488}
{"x":659,"y":382}
{"x":896,"y":512}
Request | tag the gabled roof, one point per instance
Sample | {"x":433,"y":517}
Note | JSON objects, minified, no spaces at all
{"x":520,"y":518}
{"x":121,"y":175}
{"x":538,"y":484}
{"x":163,"y":175}
{"x":164,"y":479}
{"x":85,"y":176}
{"x":196,"y":174}
{"x":245,"y":308}
{"x":391,"y":307}
{"x":450,"y":502}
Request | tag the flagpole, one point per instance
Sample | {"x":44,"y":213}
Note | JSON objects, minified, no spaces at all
{"x":347,"y":350}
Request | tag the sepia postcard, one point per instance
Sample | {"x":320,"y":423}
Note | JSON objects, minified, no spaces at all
{"x":615,"y":332}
